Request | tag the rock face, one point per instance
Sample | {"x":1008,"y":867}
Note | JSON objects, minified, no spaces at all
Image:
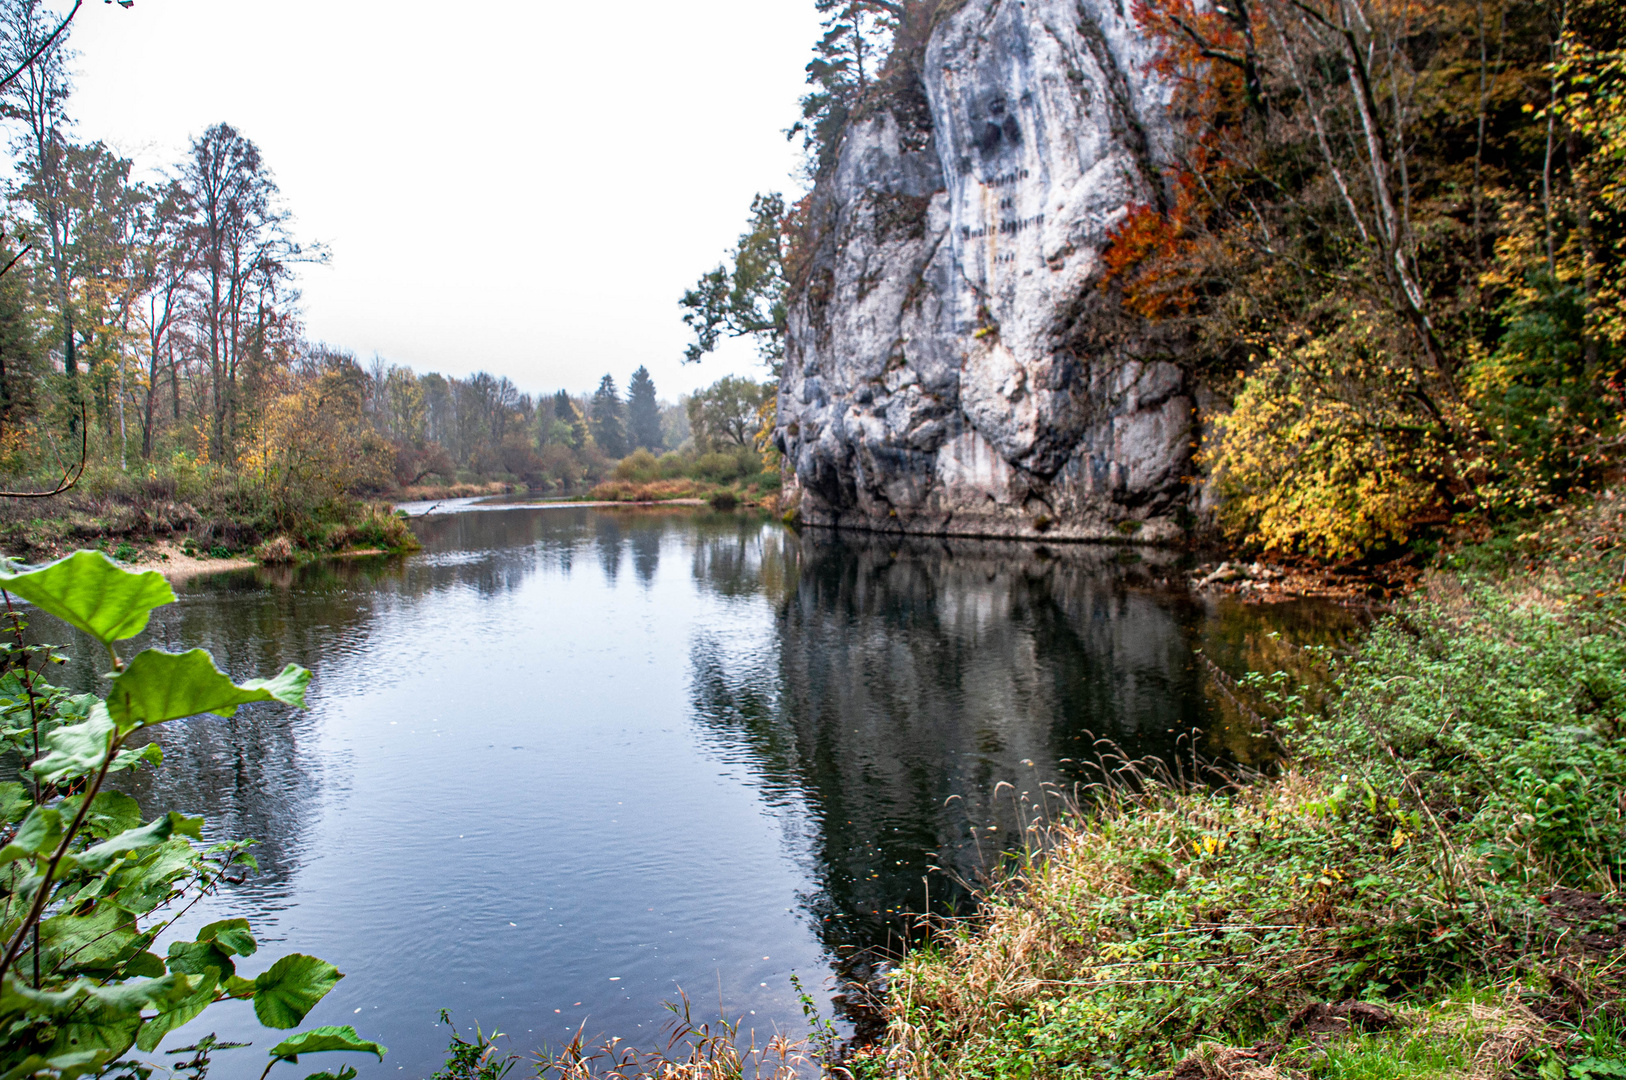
{"x":946,"y":371}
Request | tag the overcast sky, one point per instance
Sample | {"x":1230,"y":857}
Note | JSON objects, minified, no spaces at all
{"x":521,"y":187}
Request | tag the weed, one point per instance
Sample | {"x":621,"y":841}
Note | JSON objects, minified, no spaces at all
{"x":1449,"y":816}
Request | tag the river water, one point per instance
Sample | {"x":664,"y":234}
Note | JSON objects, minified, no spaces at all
{"x":565,"y":763}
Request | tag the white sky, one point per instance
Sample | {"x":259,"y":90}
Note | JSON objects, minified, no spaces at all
{"x":521,"y":187}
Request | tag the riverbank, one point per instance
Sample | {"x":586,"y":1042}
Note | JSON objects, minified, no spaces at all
{"x":1431,"y":887}
{"x":198,"y":514}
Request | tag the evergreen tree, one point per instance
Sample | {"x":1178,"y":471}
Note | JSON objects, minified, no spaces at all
{"x":643,"y":412}
{"x":609,"y":430}
{"x":565,"y":410}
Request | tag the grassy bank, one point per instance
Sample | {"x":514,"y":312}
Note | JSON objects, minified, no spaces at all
{"x":203,"y":511}
{"x":1446,"y":843}
{"x":725,"y":478}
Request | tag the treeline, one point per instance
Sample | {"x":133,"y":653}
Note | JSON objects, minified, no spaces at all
{"x":155,"y":323}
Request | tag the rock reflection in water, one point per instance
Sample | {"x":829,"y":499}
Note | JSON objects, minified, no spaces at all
{"x":910,"y":677}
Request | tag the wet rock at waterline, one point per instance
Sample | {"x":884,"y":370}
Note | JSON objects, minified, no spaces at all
{"x":948,"y":366}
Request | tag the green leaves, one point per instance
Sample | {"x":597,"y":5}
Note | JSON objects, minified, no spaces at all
{"x":159,"y":686}
{"x":114,"y":870}
{"x":175,"y":1014}
{"x":39,"y":834}
{"x":76,"y":750}
{"x":232,"y":935}
{"x":92,"y":592}
{"x":317,"y":1040}
{"x":291,"y":988}
{"x":217,"y":943}
{"x":101,"y":856}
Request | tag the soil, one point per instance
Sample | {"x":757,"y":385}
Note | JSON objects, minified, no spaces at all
{"x":167,"y":557}
{"x":1587,"y":918}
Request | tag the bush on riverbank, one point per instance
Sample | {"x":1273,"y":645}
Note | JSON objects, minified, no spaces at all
{"x":642,"y":477}
{"x":1448,"y":842}
{"x":210,"y":509}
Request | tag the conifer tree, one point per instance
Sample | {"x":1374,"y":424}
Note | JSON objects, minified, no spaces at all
{"x":565,"y":410}
{"x":643,"y":412}
{"x":609,"y":430}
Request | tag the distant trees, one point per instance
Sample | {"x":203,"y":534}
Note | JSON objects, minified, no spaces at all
{"x":643,"y":412}
{"x":726,"y":413}
{"x":609,"y":426}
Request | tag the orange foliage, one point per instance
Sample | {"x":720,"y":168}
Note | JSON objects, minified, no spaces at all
{"x":1153,"y":253}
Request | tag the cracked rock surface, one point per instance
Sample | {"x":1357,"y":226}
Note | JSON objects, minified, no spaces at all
{"x":945,"y":370}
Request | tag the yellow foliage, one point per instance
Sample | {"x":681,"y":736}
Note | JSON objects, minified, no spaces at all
{"x":314,"y":445}
{"x":1318,"y":455}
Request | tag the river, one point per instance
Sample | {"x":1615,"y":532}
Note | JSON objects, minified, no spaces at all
{"x":567,"y":762}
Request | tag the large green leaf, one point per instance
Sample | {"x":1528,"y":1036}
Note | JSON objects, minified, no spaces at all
{"x":320,"y":1039}
{"x":76,"y":750}
{"x":111,"y":813}
{"x":147,"y":879}
{"x":14,"y":802}
{"x":39,"y":833}
{"x":159,"y":686}
{"x":231,"y":935}
{"x":94,"y":593}
{"x":101,"y":856}
{"x":176,"y":1014}
{"x":199,"y":958}
{"x":91,"y":940}
{"x":291,"y":987}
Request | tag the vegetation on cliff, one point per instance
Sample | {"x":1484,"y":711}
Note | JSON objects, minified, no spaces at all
{"x":1391,"y":236}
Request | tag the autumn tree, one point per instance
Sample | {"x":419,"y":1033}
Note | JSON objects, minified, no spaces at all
{"x":36,"y":100}
{"x":724,"y":414}
{"x":245,"y":256}
{"x":745,"y":295}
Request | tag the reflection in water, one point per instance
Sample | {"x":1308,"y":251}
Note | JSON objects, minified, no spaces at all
{"x":909,"y":677}
{"x":542,"y":790}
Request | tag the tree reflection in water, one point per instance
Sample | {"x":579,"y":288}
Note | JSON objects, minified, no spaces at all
{"x":910,"y":676}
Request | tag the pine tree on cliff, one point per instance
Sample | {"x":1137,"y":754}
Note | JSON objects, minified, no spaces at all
{"x":846,"y":59}
{"x":608,"y":429}
{"x":643,"y":412}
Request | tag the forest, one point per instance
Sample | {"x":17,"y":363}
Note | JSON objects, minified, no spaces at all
{"x":151,"y":339}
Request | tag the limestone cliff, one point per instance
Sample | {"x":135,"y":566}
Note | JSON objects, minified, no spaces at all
{"x":944,"y":373}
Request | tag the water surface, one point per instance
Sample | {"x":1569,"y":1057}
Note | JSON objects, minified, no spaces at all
{"x":566,"y":762}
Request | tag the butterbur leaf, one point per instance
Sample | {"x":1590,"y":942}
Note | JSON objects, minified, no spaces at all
{"x":94,"y":593}
{"x":291,"y":988}
{"x":344,"y":1073}
{"x":76,"y":750}
{"x":14,"y":802}
{"x":40,"y":832}
{"x":158,"y":686}
{"x":320,"y":1039}
{"x":101,"y":856}
{"x":231,"y":936}
{"x":177,"y":1013}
